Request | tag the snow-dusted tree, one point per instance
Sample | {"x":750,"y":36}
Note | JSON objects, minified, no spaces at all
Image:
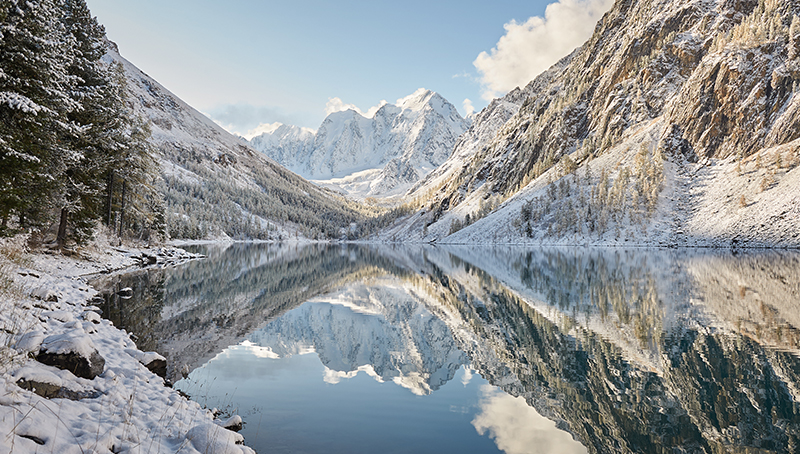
{"x":34,"y":100}
{"x":132,"y":183}
{"x":98,"y":120}
{"x":66,"y":124}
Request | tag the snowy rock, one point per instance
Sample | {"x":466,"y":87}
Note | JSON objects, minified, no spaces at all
{"x":216,"y":439}
{"x":72,"y":351}
{"x":88,"y":327}
{"x":49,"y":385}
{"x":148,"y":259}
{"x":61,"y":316}
{"x":154,"y":362}
{"x":91,"y":316}
{"x":233,"y":423}
{"x":45,"y":294}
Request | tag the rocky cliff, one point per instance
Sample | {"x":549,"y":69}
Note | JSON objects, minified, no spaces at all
{"x":676,"y":123}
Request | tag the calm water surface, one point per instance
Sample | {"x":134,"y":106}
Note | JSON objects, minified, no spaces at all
{"x":350,"y":349}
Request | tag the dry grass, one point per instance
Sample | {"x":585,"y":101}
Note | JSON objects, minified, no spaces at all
{"x":15,"y":250}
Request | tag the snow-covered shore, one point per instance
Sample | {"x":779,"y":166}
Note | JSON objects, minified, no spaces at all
{"x":47,"y":315}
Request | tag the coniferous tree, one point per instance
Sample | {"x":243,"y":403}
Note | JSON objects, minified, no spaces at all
{"x":96,"y":121}
{"x":67,"y":128}
{"x":34,"y":100}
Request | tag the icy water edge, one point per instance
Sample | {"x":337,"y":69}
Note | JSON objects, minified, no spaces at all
{"x":348,"y":349}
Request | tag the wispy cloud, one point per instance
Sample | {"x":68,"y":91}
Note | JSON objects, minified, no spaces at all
{"x":242,"y":119}
{"x":531,"y":47}
{"x":469,"y":109}
{"x":337,"y":105}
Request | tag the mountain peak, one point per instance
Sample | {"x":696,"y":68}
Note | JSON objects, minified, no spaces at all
{"x":379,"y":153}
{"x":417,"y":100}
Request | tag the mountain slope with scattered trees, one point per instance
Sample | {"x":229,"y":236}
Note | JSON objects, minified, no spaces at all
{"x":676,"y":124}
{"x":216,"y":186}
{"x":87,"y":138}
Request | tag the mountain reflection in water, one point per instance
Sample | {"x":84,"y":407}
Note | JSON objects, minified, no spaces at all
{"x":621,"y":350}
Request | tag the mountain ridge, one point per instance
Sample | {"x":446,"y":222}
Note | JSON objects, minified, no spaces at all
{"x":216,"y":186}
{"x":370,"y":156}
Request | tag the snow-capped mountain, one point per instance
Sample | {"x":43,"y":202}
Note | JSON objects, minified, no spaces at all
{"x":215,"y":184}
{"x":284,"y":143}
{"x":381,"y":155}
{"x":676,"y":123}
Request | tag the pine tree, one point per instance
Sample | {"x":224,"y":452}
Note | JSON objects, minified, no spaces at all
{"x":67,"y":133}
{"x":34,"y":100}
{"x":97,"y":119}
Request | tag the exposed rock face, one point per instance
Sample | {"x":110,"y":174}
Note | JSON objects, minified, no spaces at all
{"x":154,"y":362}
{"x":158,"y":366}
{"x":79,"y":365}
{"x":692,"y":80}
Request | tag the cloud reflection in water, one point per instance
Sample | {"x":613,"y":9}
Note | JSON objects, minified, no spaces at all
{"x":517,"y":428}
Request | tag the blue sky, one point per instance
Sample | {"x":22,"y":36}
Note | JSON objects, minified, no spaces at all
{"x":250,"y":62}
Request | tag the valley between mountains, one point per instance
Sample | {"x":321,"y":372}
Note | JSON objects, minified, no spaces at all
{"x":676,"y":124}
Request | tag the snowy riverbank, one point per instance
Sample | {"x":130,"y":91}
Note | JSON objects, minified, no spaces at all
{"x":96,"y":395}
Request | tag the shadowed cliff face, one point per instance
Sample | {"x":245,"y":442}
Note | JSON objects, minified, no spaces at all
{"x":627,"y":350}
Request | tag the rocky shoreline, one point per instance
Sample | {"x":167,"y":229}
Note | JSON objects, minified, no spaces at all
{"x":72,"y":382}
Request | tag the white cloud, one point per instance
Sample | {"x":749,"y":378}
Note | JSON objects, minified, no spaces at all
{"x":518,"y":428}
{"x":261,"y":129}
{"x":269,"y":128}
{"x":238,"y":118}
{"x":337,"y":105}
{"x":469,"y":109}
{"x":531,"y":47}
{"x":333,"y":377}
{"x":372,"y":110}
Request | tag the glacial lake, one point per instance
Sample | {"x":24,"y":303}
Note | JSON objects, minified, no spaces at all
{"x":432,"y":349}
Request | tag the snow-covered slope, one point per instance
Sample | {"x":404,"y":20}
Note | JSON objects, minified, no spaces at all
{"x":377,"y":156}
{"x":284,"y":143}
{"x":676,"y":123}
{"x":216,"y":185}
